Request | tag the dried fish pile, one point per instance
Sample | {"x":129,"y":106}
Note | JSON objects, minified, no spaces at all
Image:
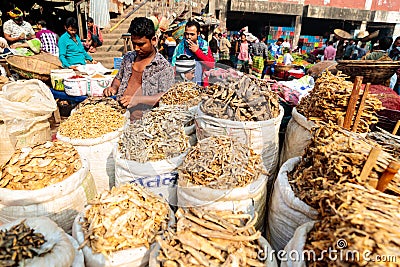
{"x":240,"y":100}
{"x":367,"y":220}
{"x":124,"y":217}
{"x":157,"y":136}
{"x":389,"y":143}
{"x":220,"y":162}
{"x":93,"y":100}
{"x":19,"y":243}
{"x":210,"y":238}
{"x":183,"y":93}
{"x":91,"y":121}
{"x":333,"y":157}
{"x":329,"y":99}
{"x":36,"y":167}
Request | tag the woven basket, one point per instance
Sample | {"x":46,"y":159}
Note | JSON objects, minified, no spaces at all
{"x":373,"y":71}
{"x":31,"y":68}
{"x":280,"y":68}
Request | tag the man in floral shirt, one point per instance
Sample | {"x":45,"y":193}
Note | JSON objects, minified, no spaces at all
{"x":145,"y":74}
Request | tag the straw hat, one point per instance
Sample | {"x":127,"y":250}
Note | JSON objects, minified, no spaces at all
{"x":342,"y":34}
{"x":371,"y":36}
{"x":362,"y":34}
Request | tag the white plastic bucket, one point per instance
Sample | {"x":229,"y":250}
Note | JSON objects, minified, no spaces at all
{"x":96,"y":86}
{"x":57,"y":78}
{"x":76,"y":87}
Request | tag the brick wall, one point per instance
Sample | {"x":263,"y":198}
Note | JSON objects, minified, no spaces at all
{"x":386,"y":5}
{"x":338,"y":3}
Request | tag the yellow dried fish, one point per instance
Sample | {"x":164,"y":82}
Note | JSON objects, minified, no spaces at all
{"x":91,"y":121}
{"x":36,"y":167}
{"x":124,"y":217}
{"x":183,"y":93}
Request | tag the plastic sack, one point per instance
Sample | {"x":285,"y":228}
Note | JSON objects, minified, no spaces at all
{"x":24,"y":103}
{"x":249,"y":199}
{"x":61,"y":202}
{"x":287,"y":212}
{"x":297,"y":137}
{"x":61,"y":255}
{"x":79,"y":260}
{"x":297,"y":244}
{"x":261,"y":136}
{"x":137,"y":257}
{"x":99,"y":152}
{"x":158,"y":176}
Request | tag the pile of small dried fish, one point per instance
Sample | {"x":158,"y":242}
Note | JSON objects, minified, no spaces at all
{"x":91,"y":121}
{"x":19,"y":243}
{"x":183,"y":93}
{"x":210,"y":238}
{"x":94,"y":100}
{"x":126,"y":217}
{"x":240,"y":100}
{"x":329,"y":99}
{"x":220,"y":162}
{"x":36,"y":167}
{"x":333,"y":157}
{"x":157,"y":136}
{"x":389,"y":143}
{"x":367,"y":220}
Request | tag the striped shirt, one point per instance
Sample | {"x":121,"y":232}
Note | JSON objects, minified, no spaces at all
{"x":49,"y":41}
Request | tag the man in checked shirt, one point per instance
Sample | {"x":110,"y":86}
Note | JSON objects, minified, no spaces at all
{"x":48,"y":39}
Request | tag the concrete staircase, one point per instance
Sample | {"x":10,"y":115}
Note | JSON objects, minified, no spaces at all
{"x":113,"y":44}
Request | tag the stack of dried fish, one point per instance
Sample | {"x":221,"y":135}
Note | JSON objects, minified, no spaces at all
{"x":366,"y":221}
{"x":183,"y":93}
{"x":220,"y":162}
{"x":94,"y":100}
{"x":125,"y":217}
{"x":240,"y":100}
{"x":214,"y":238}
{"x":91,"y":121}
{"x":329,"y":99}
{"x":333,"y":157}
{"x":19,"y":243}
{"x":389,"y":143}
{"x":40,"y":166}
{"x":157,"y":136}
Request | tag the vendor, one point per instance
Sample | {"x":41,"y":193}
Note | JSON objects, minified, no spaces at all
{"x":71,"y":50}
{"x":144,"y":74}
{"x":16,"y":30}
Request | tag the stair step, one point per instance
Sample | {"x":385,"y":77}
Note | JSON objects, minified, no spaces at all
{"x":111,"y":50}
{"x":108,"y":42}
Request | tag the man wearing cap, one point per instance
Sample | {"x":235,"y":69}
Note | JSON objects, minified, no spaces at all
{"x":16,"y":30}
{"x":185,"y":69}
{"x":194,"y":47}
{"x":145,"y":75}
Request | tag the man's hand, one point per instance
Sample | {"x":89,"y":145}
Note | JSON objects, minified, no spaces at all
{"x":94,"y":61}
{"x":192,"y":46}
{"x":127,"y":101}
{"x":74,"y":67}
{"x":109,"y":91}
